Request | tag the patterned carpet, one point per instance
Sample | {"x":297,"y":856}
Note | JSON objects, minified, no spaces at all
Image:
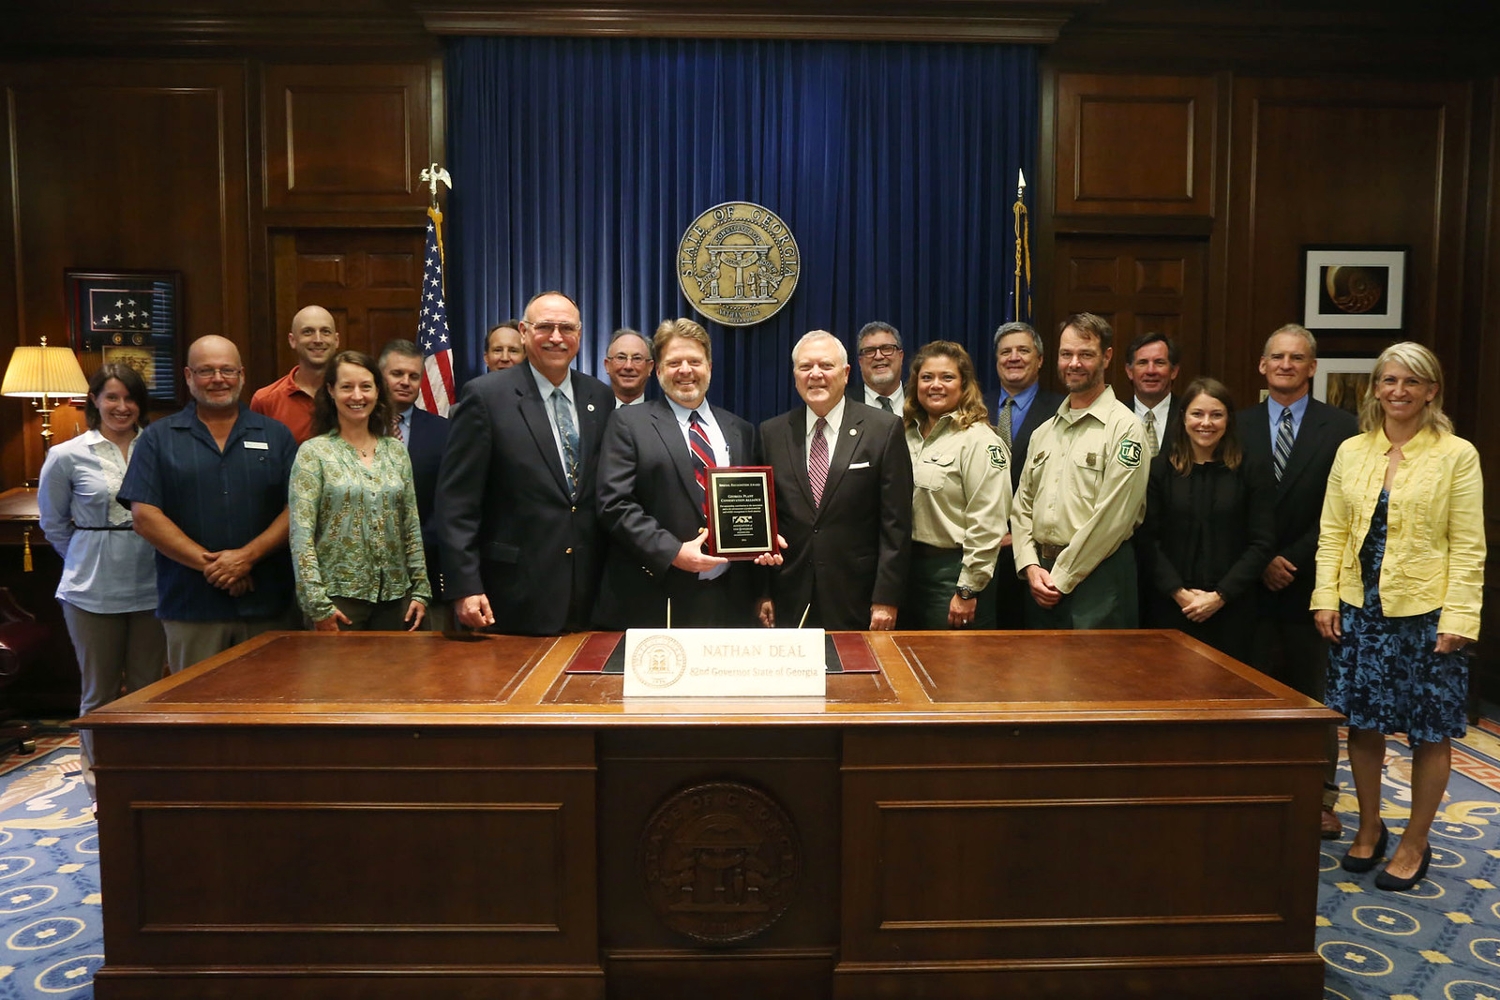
{"x":1440,"y":941}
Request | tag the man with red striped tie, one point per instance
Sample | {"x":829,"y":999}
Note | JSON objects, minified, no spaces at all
{"x":652,"y":477}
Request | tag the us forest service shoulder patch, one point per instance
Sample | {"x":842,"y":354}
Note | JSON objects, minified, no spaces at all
{"x":1130,"y":453}
{"x":997,"y":456}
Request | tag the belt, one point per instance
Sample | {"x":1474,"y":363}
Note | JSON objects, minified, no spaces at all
{"x":923,"y":550}
{"x":104,"y":527}
{"x":1046,"y":550}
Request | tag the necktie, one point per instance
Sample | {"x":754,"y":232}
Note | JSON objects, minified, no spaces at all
{"x":399,"y":435}
{"x":1006,"y":410}
{"x":885,"y":404}
{"x":817,"y":461}
{"x":1152,"y":442}
{"x":1283,"y":449}
{"x":703,"y":455}
{"x":569,"y":435}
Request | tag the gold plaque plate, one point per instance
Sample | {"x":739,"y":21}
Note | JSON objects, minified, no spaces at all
{"x":738,"y":264}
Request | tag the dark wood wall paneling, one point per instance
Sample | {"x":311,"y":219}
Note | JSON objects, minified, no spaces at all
{"x":206,"y":167}
{"x":124,"y":165}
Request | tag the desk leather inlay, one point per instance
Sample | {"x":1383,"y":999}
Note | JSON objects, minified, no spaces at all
{"x":368,"y":669}
{"x":999,"y":667}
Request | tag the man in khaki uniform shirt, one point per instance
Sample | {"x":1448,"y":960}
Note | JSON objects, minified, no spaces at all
{"x":1082,"y":494}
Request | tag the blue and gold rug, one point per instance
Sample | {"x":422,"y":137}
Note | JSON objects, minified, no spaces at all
{"x":1441,"y":940}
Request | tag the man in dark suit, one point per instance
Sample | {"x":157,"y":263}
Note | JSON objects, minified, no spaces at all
{"x":651,"y":497}
{"x":843,"y":503}
{"x":520,"y":538}
{"x":425,"y":436}
{"x":1152,"y":365}
{"x":1019,"y":407}
{"x":1296,"y":436}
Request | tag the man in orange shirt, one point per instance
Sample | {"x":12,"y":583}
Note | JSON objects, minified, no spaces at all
{"x":290,"y":398}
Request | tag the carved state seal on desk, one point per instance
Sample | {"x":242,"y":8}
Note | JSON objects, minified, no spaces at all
{"x":738,"y":264}
{"x":720,"y":862}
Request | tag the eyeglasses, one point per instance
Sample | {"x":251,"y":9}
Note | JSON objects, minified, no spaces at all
{"x":204,"y":374}
{"x":884,"y":350}
{"x":634,"y":359}
{"x":566,"y":329}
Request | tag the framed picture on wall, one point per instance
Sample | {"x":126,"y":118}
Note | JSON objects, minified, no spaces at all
{"x":1353,"y":287}
{"x":1342,"y":382}
{"x":132,"y":318}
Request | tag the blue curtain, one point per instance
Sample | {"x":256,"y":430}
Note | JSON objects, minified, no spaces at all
{"x":578,"y":163}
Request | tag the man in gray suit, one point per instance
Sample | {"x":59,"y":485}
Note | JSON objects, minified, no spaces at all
{"x":521,"y":544}
{"x":1297,"y":437}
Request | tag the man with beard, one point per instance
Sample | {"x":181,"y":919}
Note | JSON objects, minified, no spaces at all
{"x":881,"y":361}
{"x":519,"y":536}
{"x":289,"y":399}
{"x":628,"y":363}
{"x":652,"y":488}
{"x":1082,"y":495}
{"x":207,"y":487}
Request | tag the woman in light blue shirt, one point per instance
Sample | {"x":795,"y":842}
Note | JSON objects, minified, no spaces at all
{"x":108,"y":586}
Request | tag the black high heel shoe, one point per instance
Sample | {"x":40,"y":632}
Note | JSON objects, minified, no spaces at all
{"x":1357,"y":865}
{"x":1390,"y":883}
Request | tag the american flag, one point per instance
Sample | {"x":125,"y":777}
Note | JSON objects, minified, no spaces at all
{"x":438,"y":390}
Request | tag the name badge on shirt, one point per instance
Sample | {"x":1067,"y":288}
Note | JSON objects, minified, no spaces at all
{"x":258,"y":445}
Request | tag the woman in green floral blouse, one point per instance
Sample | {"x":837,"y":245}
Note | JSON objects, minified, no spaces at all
{"x":355,"y":538}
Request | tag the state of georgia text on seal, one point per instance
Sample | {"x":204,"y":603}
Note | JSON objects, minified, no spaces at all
{"x":738,"y":263}
{"x":720,"y":861}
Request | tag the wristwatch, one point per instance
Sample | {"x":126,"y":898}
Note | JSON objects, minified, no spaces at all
{"x":965,"y":594}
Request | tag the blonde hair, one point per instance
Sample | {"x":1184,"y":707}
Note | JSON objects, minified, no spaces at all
{"x":971,"y":408}
{"x":671,"y":329}
{"x":1422,"y":363}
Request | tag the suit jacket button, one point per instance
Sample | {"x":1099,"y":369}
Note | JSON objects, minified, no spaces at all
{"x":575,"y":510}
{"x":568,"y":550}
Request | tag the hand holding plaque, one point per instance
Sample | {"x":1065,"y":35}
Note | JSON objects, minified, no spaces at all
{"x":742,"y":512}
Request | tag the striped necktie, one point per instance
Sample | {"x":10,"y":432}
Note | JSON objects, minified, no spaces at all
{"x":1283,"y":449}
{"x":817,"y":461}
{"x":703,"y":456}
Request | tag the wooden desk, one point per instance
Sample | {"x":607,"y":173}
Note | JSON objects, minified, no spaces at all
{"x":994,"y":814}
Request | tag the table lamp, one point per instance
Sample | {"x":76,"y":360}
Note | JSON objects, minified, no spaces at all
{"x":43,"y":374}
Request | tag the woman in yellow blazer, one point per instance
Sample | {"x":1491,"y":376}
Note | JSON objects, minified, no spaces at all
{"x":1400,"y":574}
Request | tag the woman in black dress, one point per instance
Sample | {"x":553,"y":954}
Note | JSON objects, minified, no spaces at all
{"x":1210,"y":526}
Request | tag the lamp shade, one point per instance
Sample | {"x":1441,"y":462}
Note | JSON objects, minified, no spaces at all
{"x":44,"y":371}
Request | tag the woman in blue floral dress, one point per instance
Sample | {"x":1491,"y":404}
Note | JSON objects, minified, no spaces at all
{"x":1400,"y":575}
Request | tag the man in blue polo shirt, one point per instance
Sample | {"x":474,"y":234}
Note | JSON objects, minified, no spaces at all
{"x":207,"y":488}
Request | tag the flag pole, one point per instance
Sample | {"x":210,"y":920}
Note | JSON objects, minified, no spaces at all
{"x":1023,"y":244}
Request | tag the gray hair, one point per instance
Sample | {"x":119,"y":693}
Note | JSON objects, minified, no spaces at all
{"x":816,"y":334}
{"x":405,"y":348}
{"x":626,"y":331}
{"x":1009,"y":328}
{"x":1297,"y":329}
{"x":879,"y":327}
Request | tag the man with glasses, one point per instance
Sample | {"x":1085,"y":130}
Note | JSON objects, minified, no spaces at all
{"x":628,"y":362}
{"x":517,"y":525}
{"x":315,"y":339}
{"x":207,"y":488}
{"x":881,"y":363}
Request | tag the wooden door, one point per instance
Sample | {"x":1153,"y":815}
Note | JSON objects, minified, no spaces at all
{"x":369,"y":279}
{"x":1156,"y":285}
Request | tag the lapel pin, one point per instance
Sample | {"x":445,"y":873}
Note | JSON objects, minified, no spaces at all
{"x":853,"y":431}
{"x":591,"y":407}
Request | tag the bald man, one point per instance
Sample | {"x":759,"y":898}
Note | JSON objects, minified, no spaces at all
{"x":207,"y":488}
{"x":315,"y":339}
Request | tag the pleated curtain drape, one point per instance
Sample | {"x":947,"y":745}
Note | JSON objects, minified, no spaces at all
{"x":578,"y":163}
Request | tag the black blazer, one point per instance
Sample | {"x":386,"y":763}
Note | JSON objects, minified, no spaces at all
{"x":506,"y":523}
{"x":852,"y":550}
{"x":647,"y":501}
{"x":1299,"y":495}
{"x":429,"y":438}
{"x":1043,"y":408}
